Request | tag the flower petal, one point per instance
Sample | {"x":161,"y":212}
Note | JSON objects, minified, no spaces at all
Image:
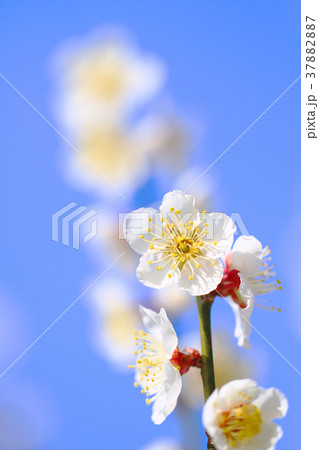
{"x":272,"y":404}
{"x":151,"y":321}
{"x":135,"y":225}
{"x":213,"y":405}
{"x":148,"y":274}
{"x":203,"y":280}
{"x":246,"y":254}
{"x":242,"y":315}
{"x":220,"y":231}
{"x":169,"y":337}
{"x":232,"y":392}
{"x":166,"y":402}
{"x":180,"y":202}
{"x":265,"y":440}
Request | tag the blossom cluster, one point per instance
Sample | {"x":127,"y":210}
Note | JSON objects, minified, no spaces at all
{"x":126,"y":137}
{"x":194,"y":250}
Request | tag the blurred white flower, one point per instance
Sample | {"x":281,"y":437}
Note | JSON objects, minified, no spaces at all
{"x":169,"y":140}
{"x":240,"y":415}
{"x":159,"y":379}
{"x":173,"y":299}
{"x":163,"y":444}
{"x":109,"y":243}
{"x":108,"y":156}
{"x":229,"y":364}
{"x":181,"y":249}
{"x":246,"y":274}
{"x":103,"y":77}
{"x":114,"y":316}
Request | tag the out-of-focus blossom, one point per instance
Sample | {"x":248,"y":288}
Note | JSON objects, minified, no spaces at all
{"x":109,"y":243}
{"x":184,"y":250}
{"x":169,"y":140}
{"x":108,"y":156}
{"x":159,"y":379}
{"x":173,"y":299}
{"x":229,"y":364}
{"x":164,"y":443}
{"x":240,"y":415}
{"x":103,"y":77}
{"x":114,"y":316}
{"x":247,"y":273}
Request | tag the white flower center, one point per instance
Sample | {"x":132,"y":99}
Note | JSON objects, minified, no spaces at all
{"x":149,"y":365}
{"x":180,"y":243}
{"x":240,"y":424}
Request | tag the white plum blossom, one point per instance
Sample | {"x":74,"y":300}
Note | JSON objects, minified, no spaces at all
{"x":179,"y":244}
{"x":240,"y":415}
{"x":159,"y":379}
{"x":252,"y":261}
{"x":247,"y":273}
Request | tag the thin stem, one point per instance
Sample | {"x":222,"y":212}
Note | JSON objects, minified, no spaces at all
{"x":207,"y":371}
{"x":208,"y":376}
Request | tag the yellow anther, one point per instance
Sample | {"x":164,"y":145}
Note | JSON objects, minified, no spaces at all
{"x":198,"y":266}
{"x":149,"y":262}
{"x":215,"y":243}
{"x":178,"y":211}
{"x":148,"y":401}
{"x":204,"y":212}
{"x":191,"y":277}
{"x":148,"y":230}
{"x":142,"y":237}
{"x":280,"y":288}
{"x":162,"y":219}
{"x":158,"y":268}
{"x":151,"y":246}
{"x":135,"y":384}
{"x":154,"y":239}
{"x":172,"y":208}
{"x":149,"y":219}
{"x":212,"y":263}
{"x":206,"y":225}
{"x":169,"y":275}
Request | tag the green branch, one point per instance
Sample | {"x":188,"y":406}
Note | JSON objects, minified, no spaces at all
{"x":207,"y":371}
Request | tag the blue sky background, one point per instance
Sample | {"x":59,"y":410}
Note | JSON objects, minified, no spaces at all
{"x":228,"y":61}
